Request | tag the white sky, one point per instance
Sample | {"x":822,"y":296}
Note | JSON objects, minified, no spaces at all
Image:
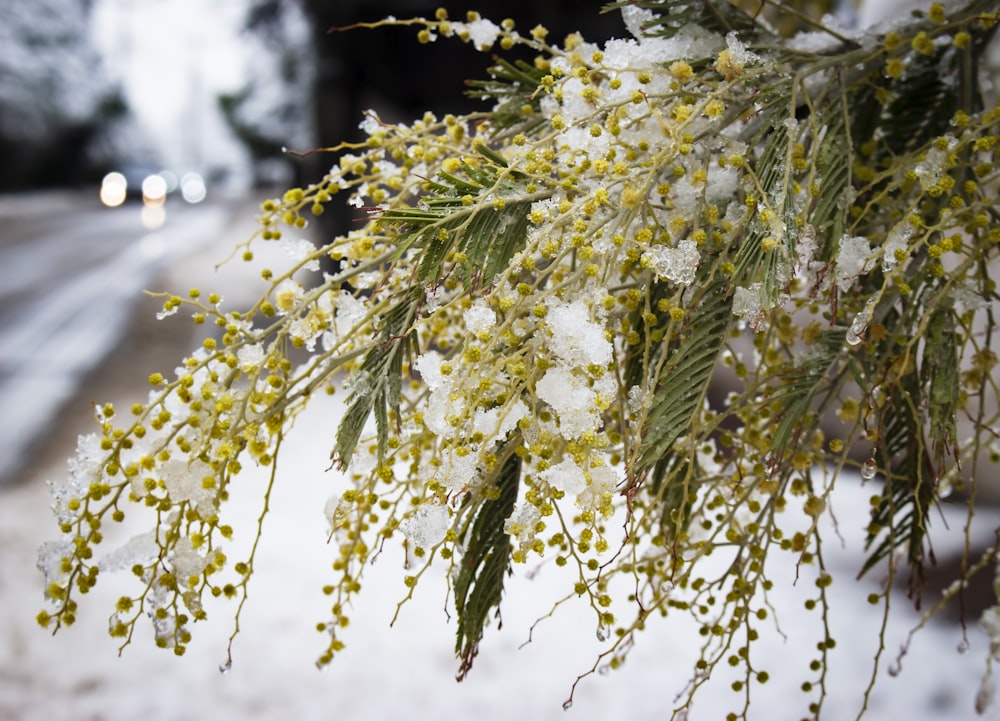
{"x":173,"y":58}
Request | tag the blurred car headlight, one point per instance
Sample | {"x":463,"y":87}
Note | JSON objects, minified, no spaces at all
{"x":193,"y":188}
{"x":154,"y":190}
{"x":114,"y":189}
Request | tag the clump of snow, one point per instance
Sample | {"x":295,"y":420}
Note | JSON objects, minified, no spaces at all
{"x":571,"y":399}
{"x":738,"y":51}
{"x":747,"y":303}
{"x":565,"y":476}
{"x":898,"y":240}
{"x":575,"y":338}
{"x":676,"y":264}
{"x":483,"y":33}
{"x":854,"y":259}
{"x":427,"y":525}
{"x":634,"y":18}
{"x":480,"y":317}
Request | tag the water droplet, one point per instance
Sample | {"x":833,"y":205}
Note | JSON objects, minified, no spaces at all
{"x":895,"y":669}
{"x":869,"y":469}
{"x":963,"y":646}
{"x":604,"y":669}
{"x":602,"y":633}
{"x":226,"y":667}
{"x":567,"y":704}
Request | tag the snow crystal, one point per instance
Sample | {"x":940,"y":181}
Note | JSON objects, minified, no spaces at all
{"x":574,"y":337}
{"x":676,"y":264}
{"x":565,"y":476}
{"x":184,"y":483}
{"x":427,"y":525}
{"x":479,"y":317}
{"x":350,"y":312}
{"x":458,"y":472}
{"x":853,"y":260}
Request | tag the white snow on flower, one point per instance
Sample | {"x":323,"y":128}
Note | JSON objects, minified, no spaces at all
{"x":483,"y":33}
{"x":371,"y":123}
{"x":141,"y":549}
{"x":521,"y":523}
{"x":572,"y":401}
{"x":427,"y":525}
{"x":286,"y":295}
{"x":428,"y":365}
{"x":458,"y":472}
{"x":929,"y":170}
{"x":186,"y":561}
{"x":854,"y":259}
{"x":350,"y":312}
{"x":50,"y":560}
{"x":603,"y":482}
{"x":479,"y":317}
{"x":184,"y":483}
{"x":299,"y":250}
{"x":498,"y":422}
{"x":574,"y":337}
{"x":747,"y":304}
{"x":676,"y":264}
{"x":250,"y":357}
{"x":898,"y":240}
{"x":738,"y":51}
{"x":565,"y":476}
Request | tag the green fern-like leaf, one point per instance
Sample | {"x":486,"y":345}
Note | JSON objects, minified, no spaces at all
{"x":486,"y":560}
{"x":684,"y":378}
{"x":382,"y":371}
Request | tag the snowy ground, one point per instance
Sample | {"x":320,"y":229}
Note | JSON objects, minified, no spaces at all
{"x":407,"y":672}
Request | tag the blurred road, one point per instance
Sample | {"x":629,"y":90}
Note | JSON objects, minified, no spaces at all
{"x":72,"y":274}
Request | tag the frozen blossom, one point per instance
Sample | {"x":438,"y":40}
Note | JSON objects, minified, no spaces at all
{"x":603,"y":482}
{"x":250,"y":357}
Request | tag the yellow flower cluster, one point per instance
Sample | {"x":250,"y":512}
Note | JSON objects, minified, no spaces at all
{"x":598,"y":324}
